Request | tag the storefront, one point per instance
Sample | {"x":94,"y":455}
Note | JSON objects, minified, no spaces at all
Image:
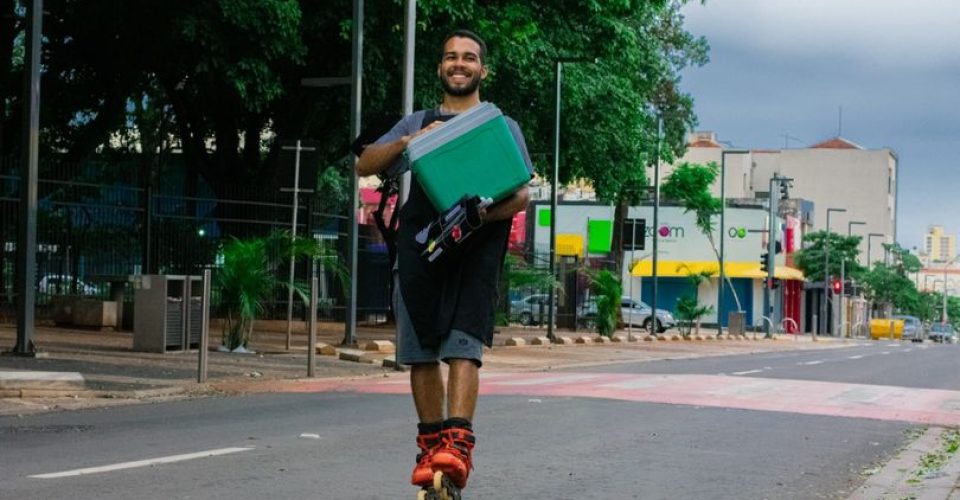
{"x":585,"y":230}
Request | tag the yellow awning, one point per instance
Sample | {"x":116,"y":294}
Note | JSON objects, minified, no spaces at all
{"x":681,"y":269}
{"x":570,"y":245}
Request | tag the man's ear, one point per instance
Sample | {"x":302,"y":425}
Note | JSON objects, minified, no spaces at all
{"x":483,"y":72}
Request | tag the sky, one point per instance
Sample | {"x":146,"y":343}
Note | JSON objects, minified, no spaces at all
{"x":780,"y":71}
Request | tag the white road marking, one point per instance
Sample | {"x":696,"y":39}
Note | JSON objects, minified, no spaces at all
{"x":809,"y":363}
{"x":885,"y":352}
{"x":907,"y":350}
{"x":141,"y":463}
{"x":747,"y":372}
{"x":855,"y":357}
{"x":892,"y":345}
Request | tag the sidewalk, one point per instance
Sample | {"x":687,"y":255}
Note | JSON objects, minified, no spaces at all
{"x":112,"y":373}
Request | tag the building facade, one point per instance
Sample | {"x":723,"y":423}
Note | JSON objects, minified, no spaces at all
{"x":938,"y":246}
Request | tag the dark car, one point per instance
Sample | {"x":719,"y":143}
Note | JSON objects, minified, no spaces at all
{"x":942,"y":332}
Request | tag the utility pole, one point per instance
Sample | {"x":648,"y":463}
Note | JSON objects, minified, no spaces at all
{"x":293,"y":228}
{"x":771,"y":253}
{"x":26,"y":276}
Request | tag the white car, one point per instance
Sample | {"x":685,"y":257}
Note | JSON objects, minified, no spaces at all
{"x":62,"y":284}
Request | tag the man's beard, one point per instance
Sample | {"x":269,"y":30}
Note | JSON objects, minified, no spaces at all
{"x":466,"y":90}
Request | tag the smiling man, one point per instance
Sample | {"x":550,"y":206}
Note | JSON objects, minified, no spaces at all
{"x":455,"y":300}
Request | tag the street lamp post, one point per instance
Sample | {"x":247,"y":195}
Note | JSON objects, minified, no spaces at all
{"x":656,"y":231}
{"x":826,"y":268}
{"x":554,"y":186}
{"x":723,"y":230}
{"x":945,"y":267}
{"x":843,"y":282}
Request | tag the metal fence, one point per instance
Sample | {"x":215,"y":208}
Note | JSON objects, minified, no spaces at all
{"x":100,"y":221}
{"x":526,"y":278}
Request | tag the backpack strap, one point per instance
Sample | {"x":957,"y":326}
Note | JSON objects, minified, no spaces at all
{"x":389,"y":187}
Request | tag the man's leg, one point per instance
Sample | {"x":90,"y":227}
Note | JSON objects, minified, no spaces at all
{"x":464,"y":354}
{"x":426,"y":382}
{"x":463,"y":384}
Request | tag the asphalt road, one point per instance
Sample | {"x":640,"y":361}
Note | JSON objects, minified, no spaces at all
{"x":541,"y":436}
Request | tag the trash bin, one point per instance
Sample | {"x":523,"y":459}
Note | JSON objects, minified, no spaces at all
{"x":160,"y":316}
{"x":736,"y":322}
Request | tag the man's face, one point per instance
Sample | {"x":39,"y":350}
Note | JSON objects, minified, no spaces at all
{"x":460,"y":69}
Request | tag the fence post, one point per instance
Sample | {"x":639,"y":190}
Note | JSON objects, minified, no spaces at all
{"x":312,"y":337}
{"x":204,"y":328}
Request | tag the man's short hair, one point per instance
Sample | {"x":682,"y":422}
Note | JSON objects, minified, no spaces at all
{"x":466,"y":34}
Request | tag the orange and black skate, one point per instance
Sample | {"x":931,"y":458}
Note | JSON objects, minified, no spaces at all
{"x":428,"y":440}
{"x":442,"y":488}
{"x":454,"y":458}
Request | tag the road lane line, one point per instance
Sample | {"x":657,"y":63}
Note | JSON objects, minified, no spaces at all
{"x":141,"y":463}
{"x":810,"y":363}
{"x":747,"y":372}
{"x":855,"y":357}
{"x":885,"y":352}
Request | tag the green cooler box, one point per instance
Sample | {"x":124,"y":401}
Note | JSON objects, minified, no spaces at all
{"x":473,"y":153}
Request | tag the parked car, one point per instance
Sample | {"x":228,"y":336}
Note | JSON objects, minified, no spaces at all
{"x":62,"y":284}
{"x":942,"y":332}
{"x":531,"y":310}
{"x":912,"y":328}
{"x":633,"y":313}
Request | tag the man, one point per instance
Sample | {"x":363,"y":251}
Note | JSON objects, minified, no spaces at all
{"x":445,"y":310}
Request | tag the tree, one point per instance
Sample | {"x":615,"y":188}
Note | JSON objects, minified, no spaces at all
{"x":689,"y":309}
{"x":690,"y":184}
{"x":610,"y":108}
{"x":843,"y":249}
{"x":889,"y":286}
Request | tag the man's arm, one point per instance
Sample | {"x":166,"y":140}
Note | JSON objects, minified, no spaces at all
{"x":509,"y":206}
{"x":377,"y":157}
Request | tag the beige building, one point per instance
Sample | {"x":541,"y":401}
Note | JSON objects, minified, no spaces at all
{"x":939,"y":247}
{"x":832,"y":174}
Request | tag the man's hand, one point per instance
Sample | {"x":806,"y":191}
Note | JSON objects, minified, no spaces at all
{"x":378,"y":157}
{"x":506,"y":208}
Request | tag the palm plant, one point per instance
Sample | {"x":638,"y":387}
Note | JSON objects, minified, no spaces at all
{"x":689,"y":310}
{"x":251,"y":274}
{"x":608,"y":291}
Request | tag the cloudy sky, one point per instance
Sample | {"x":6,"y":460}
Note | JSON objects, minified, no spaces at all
{"x":780,"y":70}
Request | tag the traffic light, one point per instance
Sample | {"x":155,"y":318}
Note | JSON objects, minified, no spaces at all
{"x":784,"y":190}
{"x":837,"y":286}
{"x":764,"y":262}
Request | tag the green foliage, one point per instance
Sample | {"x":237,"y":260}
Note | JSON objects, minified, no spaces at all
{"x":229,"y":72}
{"x":842,"y":249}
{"x":689,"y":310}
{"x":690,"y":184}
{"x":251,"y":274}
{"x":608,"y":291}
{"x":520,"y":274}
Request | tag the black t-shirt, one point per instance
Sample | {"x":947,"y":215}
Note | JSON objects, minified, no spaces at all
{"x":458,"y":291}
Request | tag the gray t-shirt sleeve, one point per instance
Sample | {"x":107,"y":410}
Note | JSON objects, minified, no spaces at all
{"x":407,"y":125}
{"x":521,"y":143}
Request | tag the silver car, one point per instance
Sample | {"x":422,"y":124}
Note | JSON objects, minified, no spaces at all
{"x":912,"y":328}
{"x":942,"y":332}
{"x":637,"y":313}
{"x":633,"y":313}
{"x":531,"y":310}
